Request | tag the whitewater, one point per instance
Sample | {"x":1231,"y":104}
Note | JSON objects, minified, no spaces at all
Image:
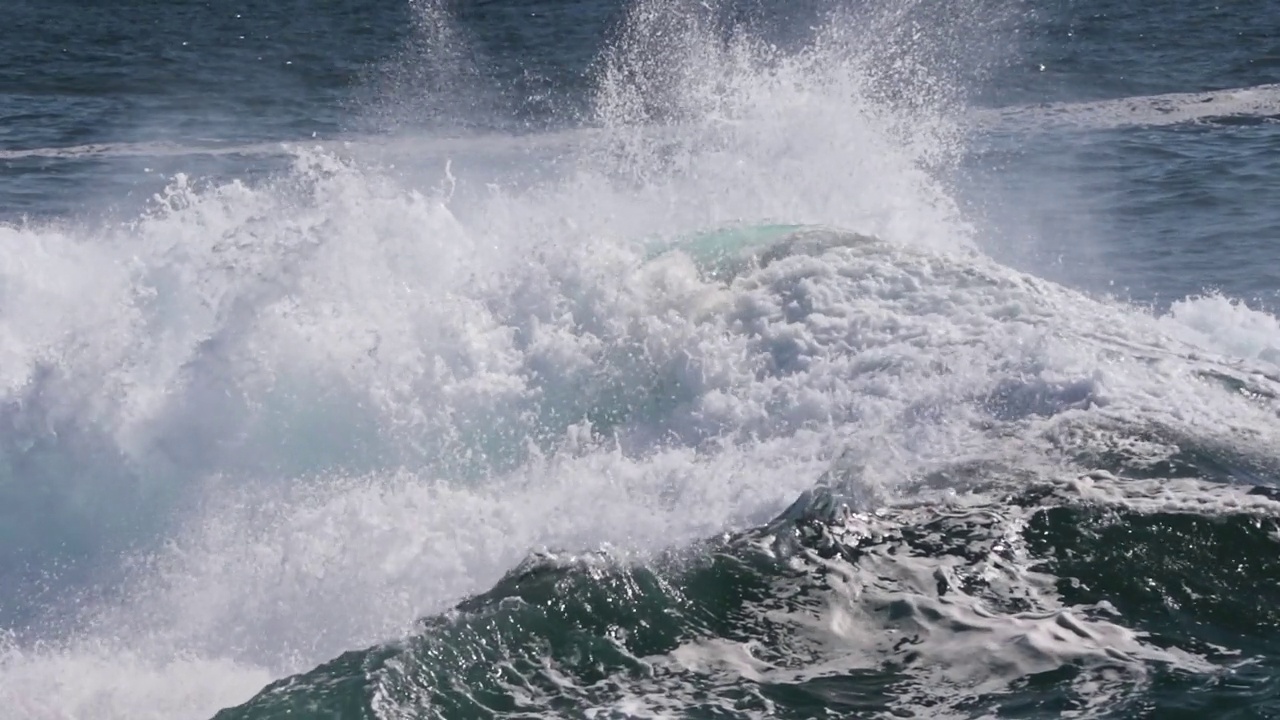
{"x":268,"y":422}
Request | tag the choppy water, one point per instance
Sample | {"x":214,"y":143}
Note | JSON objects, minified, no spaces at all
{"x":650,"y":359}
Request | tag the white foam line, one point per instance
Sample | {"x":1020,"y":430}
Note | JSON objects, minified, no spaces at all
{"x":1259,"y":101}
{"x":143,"y":149}
{"x":421,"y":144}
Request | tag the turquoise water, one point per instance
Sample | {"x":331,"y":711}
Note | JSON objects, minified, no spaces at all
{"x":645,"y":359}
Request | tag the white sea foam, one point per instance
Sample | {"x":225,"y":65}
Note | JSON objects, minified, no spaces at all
{"x":1223,"y":325}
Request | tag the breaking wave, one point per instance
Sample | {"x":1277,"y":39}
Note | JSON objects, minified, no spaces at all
{"x":264,"y":425}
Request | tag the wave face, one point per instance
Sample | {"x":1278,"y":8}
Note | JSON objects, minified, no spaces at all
{"x":1080,"y":597}
{"x":270,"y":445}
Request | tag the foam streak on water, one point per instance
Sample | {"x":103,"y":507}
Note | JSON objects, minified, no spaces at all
{"x":262,"y":425}
{"x":1257,"y":104}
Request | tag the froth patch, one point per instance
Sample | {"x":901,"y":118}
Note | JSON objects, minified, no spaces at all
{"x":1223,"y":325}
{"x":119,"y":680}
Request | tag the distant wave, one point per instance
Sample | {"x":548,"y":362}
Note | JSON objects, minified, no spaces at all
{"x":419,"y":146}
{"x":1257,"y":104}
{"x":141,"y":149}
{"x":1237,"y":106}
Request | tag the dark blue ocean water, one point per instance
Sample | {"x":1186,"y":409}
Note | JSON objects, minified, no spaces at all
{"x":317,"y":318}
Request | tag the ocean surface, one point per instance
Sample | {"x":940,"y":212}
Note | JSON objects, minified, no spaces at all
{"x":392,"y":359}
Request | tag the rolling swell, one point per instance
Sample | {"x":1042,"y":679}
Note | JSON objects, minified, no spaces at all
{"x":1043,"y":602}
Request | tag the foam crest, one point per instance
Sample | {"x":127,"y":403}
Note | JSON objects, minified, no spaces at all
{"x":518,"y":389}
{"x":1227,"y":326}
{"x":671,"y":402}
